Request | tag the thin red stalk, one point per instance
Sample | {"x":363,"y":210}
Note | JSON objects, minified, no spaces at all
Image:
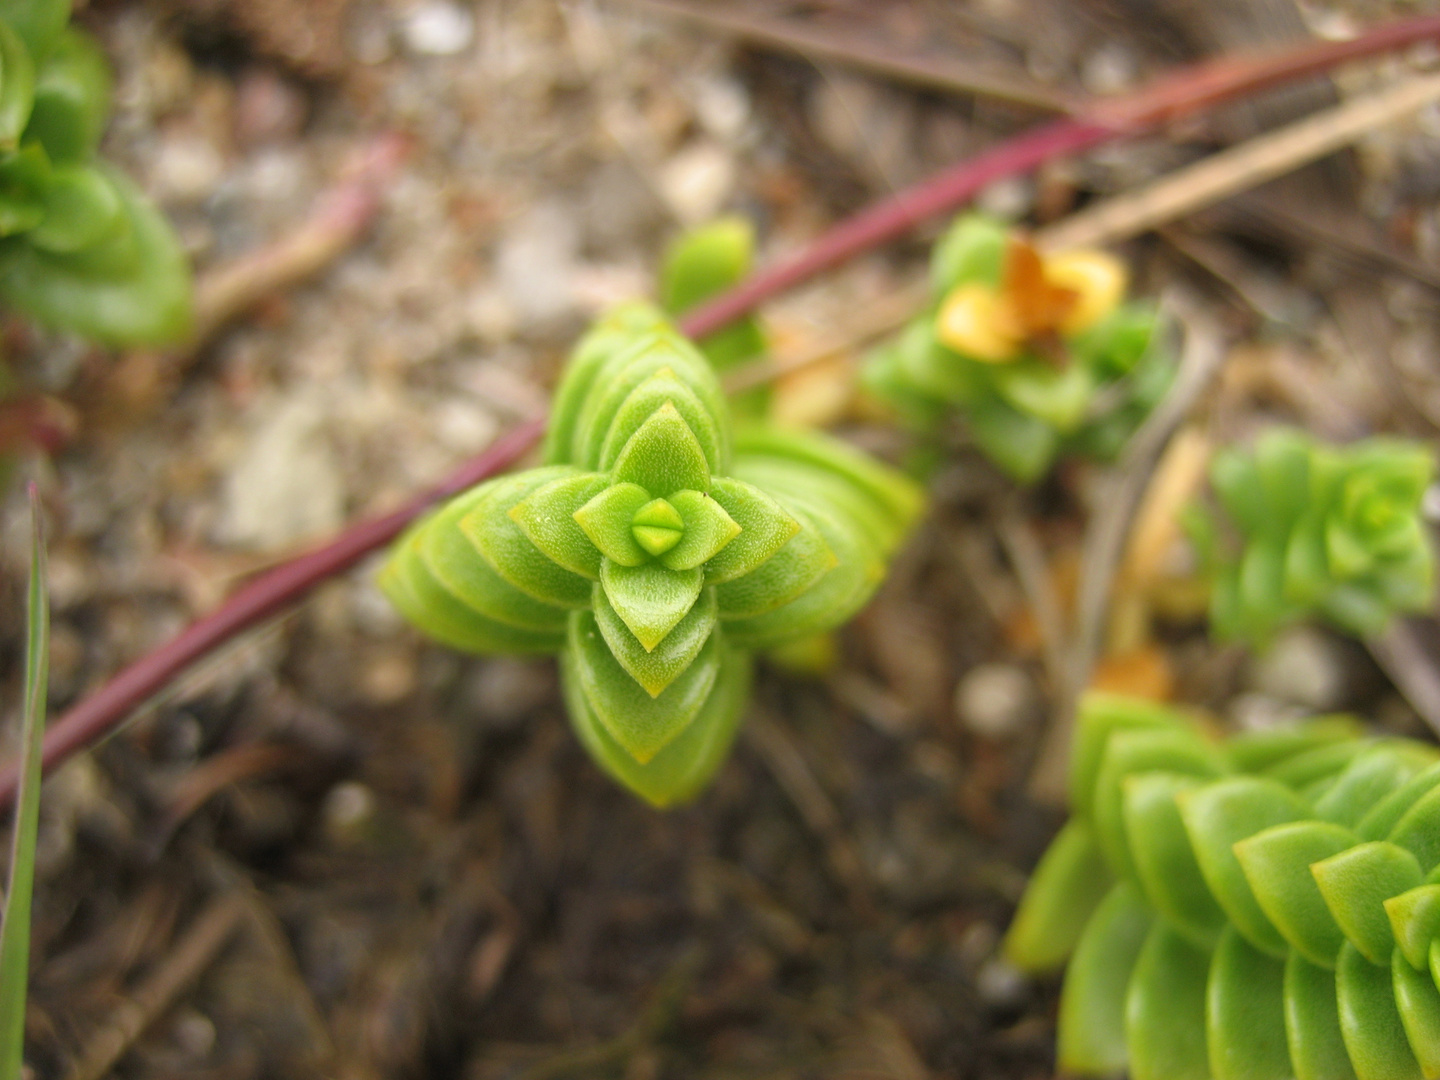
{"x":1187,"y":92}
{"x":1214,"y":82}
{"x":898,"y":215}
{"x":97,"y":715}
{"x":1190,"y":91}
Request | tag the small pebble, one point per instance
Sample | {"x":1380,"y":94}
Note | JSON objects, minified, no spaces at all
{"x":370,"y":36}
{"x":1008,"y":200}
{"x":268,"y":108}
{"x":1329,"y":23}
{"x":194,"y":1032}
{"x":439,"y":29}
{"x":996,"y":700}
{"x":348,"y":807}
{"x":464,"y":426}
{"x":697,"y":181}
{"x":505,"y":691}
{"x":1110,"y":69}
{"x":1307,"y":667}
{"x":977,"y":944}
{"x":186,"y":169}
{"x":285,"y":486}
{"x":1260,"y":712}
{"x":536,"y":263}
{"x":1000,"y":984}
{"x":386,"y":679}
{"x":722,"y":106}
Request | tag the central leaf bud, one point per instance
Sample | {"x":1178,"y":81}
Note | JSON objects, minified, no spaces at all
{"x":657,"y":526}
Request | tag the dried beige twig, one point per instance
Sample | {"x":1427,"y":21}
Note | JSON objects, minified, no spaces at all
{"x":1245,"y":166}
{"x":1404,"y":653}
{"x":786,"y":763}
{"x":1116,"y":500}
{"x":195,"y":951}
{"x":875,"y":320}
{"x":1228,"y":173}
{"x":1027,"y":559}
{"x":926,"y":69}
{"x":340,"y":218}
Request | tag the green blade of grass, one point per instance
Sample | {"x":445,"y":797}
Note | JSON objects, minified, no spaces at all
{"x":15,"y":920}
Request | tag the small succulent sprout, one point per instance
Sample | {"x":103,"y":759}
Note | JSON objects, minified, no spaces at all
{"x":1039,"y":352}
{"x":654,"y":551}
{"x":701,"y":264}
{"x":1265,"y":906}
{"x":80,"y":248}
{"x":1306,"y":530}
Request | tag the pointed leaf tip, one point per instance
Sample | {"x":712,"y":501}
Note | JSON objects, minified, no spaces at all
{"x":663,"y":456}
{"x":650,"y":599}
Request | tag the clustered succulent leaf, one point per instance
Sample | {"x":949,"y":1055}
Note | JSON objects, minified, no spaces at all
{"x":1266,"y":906}
{"x":1037,"y":352}
{"x":654,"y":550}
{"x":1314,"y":530}
{"x":80,"y":248}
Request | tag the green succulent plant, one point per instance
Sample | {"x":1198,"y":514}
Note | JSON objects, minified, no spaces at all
{"x":1307,"y":530}
{"x":654,"y":550}
{"x":1038,"y":353}
{"x":1266,"y":906}
{"x":80,"y":248}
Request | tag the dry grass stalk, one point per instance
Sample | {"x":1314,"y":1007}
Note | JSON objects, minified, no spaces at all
{"x":194,"y":952}
{"x":1233,"y":171}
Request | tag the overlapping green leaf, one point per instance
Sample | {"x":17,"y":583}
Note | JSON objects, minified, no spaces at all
{"x":72,"y":99}
{"x":133,"y":287}
{"x":1326,"y":953}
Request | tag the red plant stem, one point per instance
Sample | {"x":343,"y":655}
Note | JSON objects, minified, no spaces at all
{"x":1184,"y":93}
{"x":1188,"y":92}
{"x":896,"y":216}
{"x":97,"y":715}
{"x":1214,"y":82}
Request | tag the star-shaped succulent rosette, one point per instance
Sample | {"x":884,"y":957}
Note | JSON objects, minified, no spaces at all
{"x":1300,"y":529}
{"x":654,"y":550}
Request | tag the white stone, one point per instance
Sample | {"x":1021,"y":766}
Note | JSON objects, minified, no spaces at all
{"x":439,"y":29}
{"x":285,"y":485}
{"x":1000,"y":984}
{"x":697,"y":181}
{"x":1307,"y":667}
{"x":1110,"y":69}
{"x":348,"y":805}
{"x":186,"y":169}
{"x":995,"y":700}
{"x":535,"y":263}
{"x":465,"y":426}
{"x":722,"y":106}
